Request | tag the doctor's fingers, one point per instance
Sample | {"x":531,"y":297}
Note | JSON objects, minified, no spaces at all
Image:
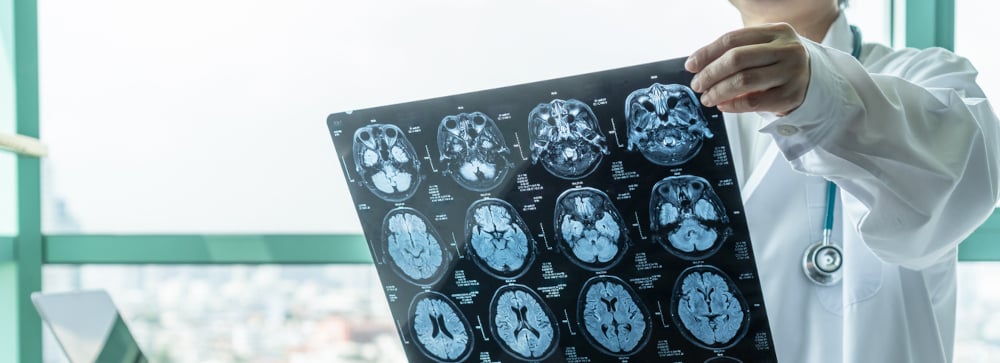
{"x":779,"y":88}
{"x":743,"y":82}
{"x":732,"y":62}
{"x":781,"y":98}
{"x":737,"y":38}
{"x":756,"y":80}
{"x":790,"y":74}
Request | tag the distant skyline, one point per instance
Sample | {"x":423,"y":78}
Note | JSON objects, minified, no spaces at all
{"x":257,"y":314}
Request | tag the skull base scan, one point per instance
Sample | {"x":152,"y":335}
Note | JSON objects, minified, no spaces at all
{"x":589,"y":228}
{"x":499,"y":240}
{"x":473,"y":151}
{"x":665,"y":123}
{"x":708,"y":309}
{"x":687,"y":217}
{"x":566,"y":138}
{"x":386,"y":161}
{"x":613,"y":316}
{"x":523,"y":325}
{"x":439,"y":329}
{"x":414,"y":246}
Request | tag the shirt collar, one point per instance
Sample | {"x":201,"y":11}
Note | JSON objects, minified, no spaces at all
{"x":839,"y":35}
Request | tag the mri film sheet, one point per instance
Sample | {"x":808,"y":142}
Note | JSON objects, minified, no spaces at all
{"x":593,"y":218}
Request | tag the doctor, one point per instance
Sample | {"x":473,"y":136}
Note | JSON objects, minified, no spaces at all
{"x":911,"y":144}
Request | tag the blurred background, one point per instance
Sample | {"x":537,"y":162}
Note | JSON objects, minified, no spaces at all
{"x":189,"y":118}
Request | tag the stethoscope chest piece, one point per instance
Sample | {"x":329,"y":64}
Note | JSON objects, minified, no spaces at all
{"x":822,"y":263}
{"x":822,"y":260}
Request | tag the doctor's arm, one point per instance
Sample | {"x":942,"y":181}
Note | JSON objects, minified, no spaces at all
{"x":916,"y":144}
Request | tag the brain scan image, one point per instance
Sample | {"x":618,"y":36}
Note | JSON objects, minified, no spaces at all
{"x":387,"y":162}
{"x":473,"y":151}
{"x":414,"y":246}
{"x":665,"y":123}
{"x":499,"y":240}
{"x":687,"y":217}
{"x":613,"y":316}
{"x":590,"y":230}
{"x":708,"y":308}
{"x":525,"y":327}
{"x":722,"y":359}
{"x":566,"y":138}
{"x":440,"y":330}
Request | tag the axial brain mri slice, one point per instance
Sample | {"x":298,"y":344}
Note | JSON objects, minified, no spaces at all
{"x":687,"y":217}
{"x":414,"y":246}
{"x":525,"y":327}
{"x":440,"y":330}
{"x":708,"y":308}
{"x":499,"y":240}
{"x":566,"y":138}
{"x":387,"y":162}
{"x":665,"y":123}
{"x":613,"y":316}
{"x":589,"y":228}
{"x":723,"y":359}
{"x":473,"y":150}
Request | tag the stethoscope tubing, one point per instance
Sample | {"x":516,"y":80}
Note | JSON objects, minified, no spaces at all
{"x":827,"y":272}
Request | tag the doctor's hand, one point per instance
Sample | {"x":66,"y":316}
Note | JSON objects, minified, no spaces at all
{"x":754,"y":69}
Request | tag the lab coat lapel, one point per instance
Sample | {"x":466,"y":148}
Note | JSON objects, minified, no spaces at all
{"x":762,"y":168}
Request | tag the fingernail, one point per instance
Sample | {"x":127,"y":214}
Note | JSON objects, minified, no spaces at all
{"x":695,"y":85}
{"x":706,"y":101}
{"x":689,"y":63}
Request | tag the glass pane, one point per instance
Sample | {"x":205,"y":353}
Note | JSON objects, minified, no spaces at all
{"x":872,"y":17}
{"x":195,"y":116}
{"x":8,"y":179}
{"x":974,"y":26}
{"x":978,"y":321}
{"x":248,"y":314}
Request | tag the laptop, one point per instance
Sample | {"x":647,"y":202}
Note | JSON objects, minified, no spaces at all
{"x":88,"y":327}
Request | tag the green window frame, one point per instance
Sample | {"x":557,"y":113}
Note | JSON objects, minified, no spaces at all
{"x":23,"y":256}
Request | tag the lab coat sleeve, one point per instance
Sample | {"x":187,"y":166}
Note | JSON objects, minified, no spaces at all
{"x":916,"y":143}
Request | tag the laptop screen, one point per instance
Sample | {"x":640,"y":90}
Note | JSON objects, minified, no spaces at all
{"x":88,"y":327}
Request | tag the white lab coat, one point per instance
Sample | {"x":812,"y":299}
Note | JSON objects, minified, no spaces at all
{"x":912,"y":144}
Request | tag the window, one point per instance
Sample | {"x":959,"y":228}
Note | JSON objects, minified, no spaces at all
{"x":978,"y":337}
{"x":978,"y":321}
{"x":871,"y":16}
{"x":973,"y":21}
{"x":217,"y":125}
{"x":238,"y":313}
{"x":209,"y":117}
{"x":8,"y":181}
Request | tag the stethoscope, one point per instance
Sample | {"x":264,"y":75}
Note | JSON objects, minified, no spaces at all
{"x":823,"y":260}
